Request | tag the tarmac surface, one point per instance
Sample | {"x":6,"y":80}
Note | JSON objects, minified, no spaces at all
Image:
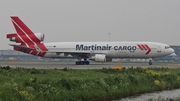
{"x":92,"y":65}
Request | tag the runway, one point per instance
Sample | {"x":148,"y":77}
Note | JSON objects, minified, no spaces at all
{"x":93,"y":65}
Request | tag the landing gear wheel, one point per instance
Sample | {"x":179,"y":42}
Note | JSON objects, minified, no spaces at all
{"x":82,"y":62}
{"x":77,"y":63}
{"x":87,"y":63}
{"x":150,"y":61}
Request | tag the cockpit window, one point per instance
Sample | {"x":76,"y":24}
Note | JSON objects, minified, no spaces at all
{"x":167,"y":47}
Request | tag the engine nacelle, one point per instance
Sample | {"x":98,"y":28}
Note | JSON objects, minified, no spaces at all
{"x":37,"y":37}
{"x":40,"y":36}
{"x":100,"y":57}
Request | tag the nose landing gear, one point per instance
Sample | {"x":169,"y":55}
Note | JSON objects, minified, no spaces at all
{"x":150,"y":61}
{"x":85,"y":62}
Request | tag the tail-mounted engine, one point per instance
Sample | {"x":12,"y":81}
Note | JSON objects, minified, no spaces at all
{"x":39,"y":37}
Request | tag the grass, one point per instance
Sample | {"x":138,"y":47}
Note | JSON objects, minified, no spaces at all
{"x":83,"y":85}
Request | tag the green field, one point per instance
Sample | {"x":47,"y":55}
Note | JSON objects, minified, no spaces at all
{"x":20,"y":84}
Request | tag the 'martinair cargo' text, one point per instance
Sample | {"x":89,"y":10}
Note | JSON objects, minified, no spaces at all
{"x":104,"y":47}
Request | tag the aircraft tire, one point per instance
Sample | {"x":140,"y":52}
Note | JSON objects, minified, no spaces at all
{"x":87,"y":62}
{"x":82,"y":62}
{"x":77,"y":63}
{"x":150,"y":63}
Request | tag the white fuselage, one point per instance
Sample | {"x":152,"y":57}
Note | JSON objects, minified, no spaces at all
{"x":110,"y":49}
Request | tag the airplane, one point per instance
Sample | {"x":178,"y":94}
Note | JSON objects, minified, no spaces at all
{"x":32,"y":43}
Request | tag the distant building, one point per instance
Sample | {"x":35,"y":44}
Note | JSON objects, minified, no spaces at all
{"x":176,"y":49}
{"x":15,"y":55}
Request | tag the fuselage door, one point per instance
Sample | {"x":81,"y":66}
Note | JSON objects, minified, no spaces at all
{"x":159,"y":49}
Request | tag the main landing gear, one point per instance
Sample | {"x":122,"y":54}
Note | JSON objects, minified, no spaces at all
{"x":85,"y":62}
{"x":82,"y":62}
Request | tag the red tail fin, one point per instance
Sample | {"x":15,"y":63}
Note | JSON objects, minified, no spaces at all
{"x":27,"y":38}
{"x":19,"y":24}
{"x":26,"y":34}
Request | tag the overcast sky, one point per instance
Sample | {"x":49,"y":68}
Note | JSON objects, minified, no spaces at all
{"x":92,"y":20}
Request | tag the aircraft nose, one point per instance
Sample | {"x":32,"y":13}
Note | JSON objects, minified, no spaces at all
{"x":171,"y":50}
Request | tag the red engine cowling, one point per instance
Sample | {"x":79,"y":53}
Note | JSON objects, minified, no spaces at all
{"x":38,"y":37}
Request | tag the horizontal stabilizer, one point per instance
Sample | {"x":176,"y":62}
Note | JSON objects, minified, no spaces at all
{"x":22,"y":47}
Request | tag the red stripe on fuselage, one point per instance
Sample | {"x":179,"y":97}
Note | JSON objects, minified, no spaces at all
{"x":143,"y":47}
{"x":149,"y":49}
{"x":140,"y":47}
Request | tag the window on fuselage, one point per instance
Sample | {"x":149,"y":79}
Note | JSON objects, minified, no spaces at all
{"x":167,"y":47}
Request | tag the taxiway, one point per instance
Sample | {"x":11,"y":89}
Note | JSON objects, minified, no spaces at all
{"x":93,"y":65}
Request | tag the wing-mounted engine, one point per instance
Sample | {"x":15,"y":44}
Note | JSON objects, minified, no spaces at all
{"x":100,"y":57}
{"x":18,"y":38}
